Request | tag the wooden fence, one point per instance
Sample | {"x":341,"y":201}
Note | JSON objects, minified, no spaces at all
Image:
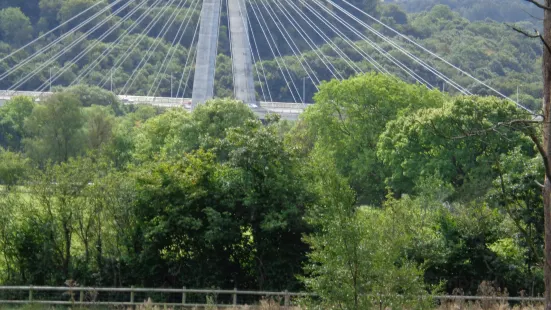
{"x":166,"y":297}
{"x":171,"y":297}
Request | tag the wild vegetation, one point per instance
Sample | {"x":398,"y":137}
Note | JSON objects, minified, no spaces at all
{"x":215,"y":198}
{"x":382,"y":188}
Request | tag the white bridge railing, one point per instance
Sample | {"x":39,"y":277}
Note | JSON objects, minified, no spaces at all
{"x":287,"y":110}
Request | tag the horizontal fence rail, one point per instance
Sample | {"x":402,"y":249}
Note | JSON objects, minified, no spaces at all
{"x":133,"y":296}
{"x":174,"y":297}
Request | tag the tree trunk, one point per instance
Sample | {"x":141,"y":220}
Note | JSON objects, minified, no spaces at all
{"x":547,"y":149}
{"x":67,"y":259}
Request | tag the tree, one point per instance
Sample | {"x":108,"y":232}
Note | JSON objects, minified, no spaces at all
{"x":273,"y":197}
{"x":545,"y":147}
{"x":348,"y":118}
{"x":451,"y":142}
{"x":12,"y":120}
{"x":358,"y":253}
{"x":15,"y":27}
{"x":99,"y":126}
{"x":160,"y":133}
{"x":94,"y":95}
{"x":209,"y":123}
{"x":70,"y":8}
{"x":49,"y":13}
{"x":55,"y":129}
{"x":13,"y":168}
{"x":59,"y":198}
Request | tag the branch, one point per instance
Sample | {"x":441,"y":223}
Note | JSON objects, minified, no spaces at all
{"x":523,"y":32}
{"x":536,"y":35}
{"x":539,"y":5}
{"x":510,"y":124}
{"x":542,"y":153}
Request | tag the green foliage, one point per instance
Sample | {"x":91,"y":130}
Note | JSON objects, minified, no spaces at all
{"x":12,"y":118}
{"x":236,"y":194}
{"x":500,"y":11}
{"x":451,"y":141}
{"x":15,"y":27}
{"x":99,"y":126}
{"x":486,"y":48}
{"x":358,"y":253}
{"x":13,"y":168}
{"x":55,"y":129}
{"x":93,"y":95}
{"x":348,"y":118}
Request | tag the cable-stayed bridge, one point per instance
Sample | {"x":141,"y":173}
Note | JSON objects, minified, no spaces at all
{"x":171,"y":53}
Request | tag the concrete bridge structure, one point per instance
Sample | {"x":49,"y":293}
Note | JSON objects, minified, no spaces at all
{"x":288,"y":111}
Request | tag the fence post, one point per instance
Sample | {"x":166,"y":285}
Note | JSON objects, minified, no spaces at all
{"x":31,"y":293}
{"x":235,"y":296}
{"x":184,"y":296}
{"x":132,"y":295}
{"x":81,"y":299}
{"x":287,"y":299}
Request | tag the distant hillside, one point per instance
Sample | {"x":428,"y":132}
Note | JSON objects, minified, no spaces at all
{"x":489,"y":50}
{"x":510,"y":11}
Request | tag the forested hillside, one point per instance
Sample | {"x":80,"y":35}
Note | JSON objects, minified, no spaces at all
{"x":478,"y":10}
{"x":383,"y":187}
{"x":489,"y":50}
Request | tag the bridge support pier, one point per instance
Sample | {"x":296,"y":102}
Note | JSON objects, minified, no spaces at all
{"x":207,"y":48}
{"x":243,"y":78}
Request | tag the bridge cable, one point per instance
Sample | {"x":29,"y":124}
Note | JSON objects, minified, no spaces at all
{"x":246,"y":26}
{"x":172,"y":50}
{"x":404,"y":51}
{"x":335,"y":48}
{"x":410,"y":55}
{"x":276,"y":49}
{"x":51,"y":31}
{"x":401,"y":49}
{"x":112,"y":46}
{"x":139,"y":38}
{"x":65,"y":49}
{"x":297,"y":52}
{"x":251,"y":31}
{"x":294,"y":46}
{"x":438,"y":57}
{"x":350,"y":42}
{"x":230,"y":42}
{"x":43,"y":49}
{"x":189,"y":75}
{"x":190,"y":49}
{"x":371,"y":43}
{"x":378,"y":48}
{"x":152,"y":48}
{"x":273,"y":52}
{"x":311,"y":43}
{"x":90,"y":47}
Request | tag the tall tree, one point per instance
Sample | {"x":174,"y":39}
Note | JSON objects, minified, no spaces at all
{"x":15,"y":27}
{"x":55,"y":129}
{"x":12,"y":120}
{"x":545,"y":148}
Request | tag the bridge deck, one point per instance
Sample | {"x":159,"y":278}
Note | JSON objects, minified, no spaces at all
{"x":287,"y":110}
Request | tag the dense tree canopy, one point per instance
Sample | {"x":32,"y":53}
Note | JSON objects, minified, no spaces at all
{"x":381,"y":187}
